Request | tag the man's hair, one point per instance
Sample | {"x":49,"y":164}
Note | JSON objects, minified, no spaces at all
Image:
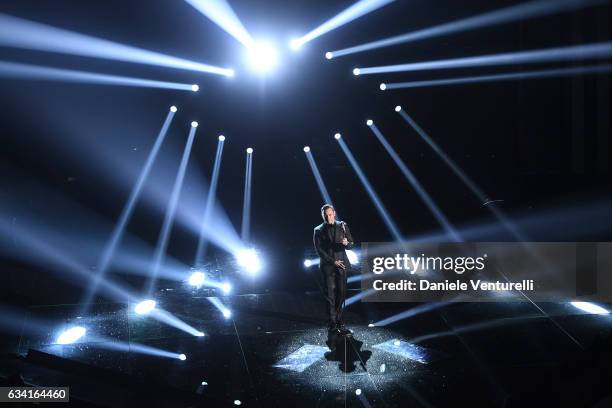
{"x":324,"y":208}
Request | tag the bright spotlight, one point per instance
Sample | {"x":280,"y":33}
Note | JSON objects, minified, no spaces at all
{"x":71,"y":335}
{"x":337,"y":136}
{"x":195,"y":88}
{"x":230,"y":73}
{"x":369,"y":122}
{"x":197,"y":279}
{"x":145,"y":307}
{"x":589,"y":307}
{"x":383,"y":86}
{"x":194,"y":124}
{"x":249,"y":150}
{"x":308,"y":263}
{"x":352,"y":256}
{"x":398,"y":108}
{"x":306,"y":149}
{"x":371,"y":325}
{"x":356,"y":71}
{"x":182,"y":357}
{"x":226,"y":287}
{"x":358,"y":391}
{"x":237,"y":402}
{"x":263,"y":56}
{"x":227,"y":313}
{"x":173,"y":109}
{"x":295,"y":44}
{"x":329,"y":55}
{"x":249,"y":260}
{"x":221,"y":138}
{"x":199,"y":334}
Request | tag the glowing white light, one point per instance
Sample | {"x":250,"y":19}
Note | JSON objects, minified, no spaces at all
{"x":337,"y":136}
{"x":383,"y":86}
{"x":204,"y":383}
{"x":369,"y":122}
{"x":71,"y":335}
{"x":308,"y":263}
{"x":221,"y":138}
{"x":356,"y":71}
{"x":226,"y":288}
{"x":371,"y":325}
{"x":173,"y":108}
{"x":329,"y":55}
{"x":227,"y":313}
{"x":398,"y":108}
{"x":249,"y":150}
{"x":358,"y":391}
{"x":295,"y":44}
{"x":145,"y":307}
{"x":589,"y":307}
{"x":182,"y":357}
{"x":249,"y":260}
{"x":306,"y":149}
{"x":396,"y":343}
{"x":230,"y":73}
{"x":195,"y":88}
{"x":194,"y":124}
{"x":197,"y":279}
{"x":263,"y":56}
{"x":237,"y":402}
{"x":352,"y":256}
{"x":200,"y":334}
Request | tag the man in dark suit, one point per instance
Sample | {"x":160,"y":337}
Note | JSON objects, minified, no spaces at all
{"x":331,"y":240}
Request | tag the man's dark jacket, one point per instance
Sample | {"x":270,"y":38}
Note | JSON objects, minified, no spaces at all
{"x":328,"y":243}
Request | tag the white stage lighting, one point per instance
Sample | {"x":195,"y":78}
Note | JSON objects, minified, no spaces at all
{"x":369,"y":122}
{"x":237,"y":402}
{"x":173,"y":108}
{"x":356,"y":71}
{"x":352,"y":256}
{"x":358,"y":391}
{"x":249,"y":260}
{"x":306,"y":149}
{"x":308,"y":263}
{"x":71,"y":335}
{"x":337,"y":136}
{"x":295,"y":44}
{"x":589,"y":307}
{"x":263,"y":57}
{"x":197,"y":279}
{"x":194,"y":124}
{"x":383,"y":86}
{"x":227,"y":313}
{"x":221,"y":138}
{"x":195,"y":88}
{"x":226,"y":287}
{"x":182,"y":357}
{"x":145,"y":307}
{"x":200,"y":334}
{"x":329,"y":55}
{"x":398,"y":108}
{"x":249,"y":150}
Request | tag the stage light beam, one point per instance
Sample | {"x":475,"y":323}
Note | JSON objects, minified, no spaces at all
{"x":590,"y":308}
{"x":560,"y":54}
{"x":520,"y":12}
{"x":222,"y":14}
{"x":249,"y":260}
{"x":349,"y":14}
{"x":246,"y":204}
{"x":25,"y":34}
{"x":262,"y":56}
{"x":317,"y":175}
{"x":71,"y":335}
{"x":197,"y":279}
{"x":145,"y":307}
{"x":43,"y":73}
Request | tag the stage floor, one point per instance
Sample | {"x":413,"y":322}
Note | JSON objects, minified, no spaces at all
{"x":271,"y":352}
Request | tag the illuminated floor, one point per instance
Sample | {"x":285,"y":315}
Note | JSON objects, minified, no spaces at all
{"x":272,"y":350}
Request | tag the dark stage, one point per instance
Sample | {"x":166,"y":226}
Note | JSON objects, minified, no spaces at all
{"x":184,"y":184}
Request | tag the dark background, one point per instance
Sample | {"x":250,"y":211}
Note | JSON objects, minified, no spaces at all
{"x":541,"y":146}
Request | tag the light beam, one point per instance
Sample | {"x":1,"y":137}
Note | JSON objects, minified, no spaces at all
{"x":25,"y":34}
{"x":318,"y":178}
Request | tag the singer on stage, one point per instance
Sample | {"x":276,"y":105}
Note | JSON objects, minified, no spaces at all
{"x":331,"y":240}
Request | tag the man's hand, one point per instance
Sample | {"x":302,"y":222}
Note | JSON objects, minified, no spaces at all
{"x":339,"y":264}
{"x":344,"y":241}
